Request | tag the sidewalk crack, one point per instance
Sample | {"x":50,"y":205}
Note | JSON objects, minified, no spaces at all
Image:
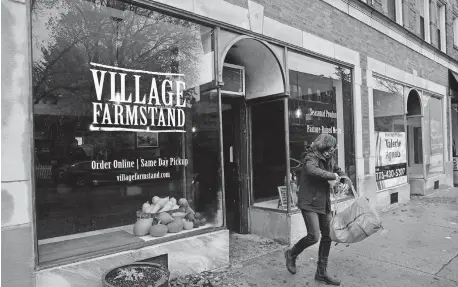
{"x":446,"y":264}
{"x":407,"y":267}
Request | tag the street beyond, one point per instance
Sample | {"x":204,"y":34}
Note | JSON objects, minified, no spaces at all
{"x":419,"y":247}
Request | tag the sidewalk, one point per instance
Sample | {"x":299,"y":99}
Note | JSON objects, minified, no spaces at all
{"x":419,"y":248}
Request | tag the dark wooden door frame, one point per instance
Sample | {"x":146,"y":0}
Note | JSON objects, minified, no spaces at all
{"x":241,"y":158}
{"x":244,"y":150}
{"x":244,"y":174}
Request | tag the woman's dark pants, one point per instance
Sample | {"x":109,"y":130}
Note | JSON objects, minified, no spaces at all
{"x":316,"y":223}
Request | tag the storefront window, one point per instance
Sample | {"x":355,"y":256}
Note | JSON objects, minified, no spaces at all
{"x":389,"y":126}
{"x":434,"y":139}
{"x":123,"y":115}
{"x":320,"y":102}
{"x":268,"y":152}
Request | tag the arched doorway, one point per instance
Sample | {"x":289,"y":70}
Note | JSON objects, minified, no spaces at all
{"x":414,"y":136}
{"x":264,"y":73}
{"x":253,"y":80}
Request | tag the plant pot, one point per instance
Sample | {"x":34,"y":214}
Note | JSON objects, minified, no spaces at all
{"x":137,"y":275}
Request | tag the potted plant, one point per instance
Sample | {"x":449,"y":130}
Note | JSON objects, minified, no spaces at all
{"x":140,"y":274}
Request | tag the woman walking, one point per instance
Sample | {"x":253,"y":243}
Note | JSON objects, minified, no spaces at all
{"x":315,"y":203}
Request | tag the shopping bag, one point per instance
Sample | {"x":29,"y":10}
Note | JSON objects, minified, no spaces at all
{"x":357,"y":222}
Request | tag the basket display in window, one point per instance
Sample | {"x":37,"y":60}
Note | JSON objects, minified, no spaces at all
{"x":166,"y":215}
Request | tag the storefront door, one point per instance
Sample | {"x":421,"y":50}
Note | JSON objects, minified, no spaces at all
{"x":235,"y":163}
{"x":414,"y":127}
{"x":415,"y":146}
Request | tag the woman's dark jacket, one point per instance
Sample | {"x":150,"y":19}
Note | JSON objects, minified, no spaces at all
{"x":314,"y":189}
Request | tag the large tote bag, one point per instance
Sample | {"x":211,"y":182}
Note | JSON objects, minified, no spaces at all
{"x":357,"y":222}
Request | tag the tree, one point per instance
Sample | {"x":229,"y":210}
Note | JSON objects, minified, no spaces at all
{"x":107,"y":32}
{"x":70,"y":34}
{"x":343,"y":73}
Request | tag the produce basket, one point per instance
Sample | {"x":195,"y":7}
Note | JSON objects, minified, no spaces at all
{"x":162,"y":205}
{"x":171,"y":219}
{"x":143,"y":215}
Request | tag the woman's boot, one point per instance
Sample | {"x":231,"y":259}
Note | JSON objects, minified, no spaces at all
{"x":321,"y":273}
{"x":290,"y":261}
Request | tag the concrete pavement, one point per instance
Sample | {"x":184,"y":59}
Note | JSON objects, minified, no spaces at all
{"x":418,"y":248}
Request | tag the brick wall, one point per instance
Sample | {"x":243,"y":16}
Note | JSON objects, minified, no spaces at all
{"x":452,"y":9}
{"x":411,"y":19}
{"x":325,"y":21}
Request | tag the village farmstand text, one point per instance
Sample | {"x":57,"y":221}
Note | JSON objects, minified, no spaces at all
{"x":136,"y":109}
{"x":139,"y":163}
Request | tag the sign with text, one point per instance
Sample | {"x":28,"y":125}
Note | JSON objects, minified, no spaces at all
{"x":283,"y":198}
{"x":391,"y":160}
{"x":136,"y":100}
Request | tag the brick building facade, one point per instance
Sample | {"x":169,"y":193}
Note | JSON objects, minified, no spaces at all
{"x":379,"y":42}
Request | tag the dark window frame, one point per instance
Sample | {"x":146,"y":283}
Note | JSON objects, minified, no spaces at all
{"x":392,"y":9}
{"x":422,"y":28}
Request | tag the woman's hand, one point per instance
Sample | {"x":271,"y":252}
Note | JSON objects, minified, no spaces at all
{"x":335,"y":181}
{"x":337,"y":177}
{"x":332,"y":182}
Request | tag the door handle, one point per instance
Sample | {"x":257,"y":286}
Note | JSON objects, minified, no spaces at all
{"x":231,"y":154}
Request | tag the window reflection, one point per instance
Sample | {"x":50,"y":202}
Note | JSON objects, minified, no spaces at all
{"x":434,"y":142}
{"x":268,"y":149}
{"x":78,"y":187}
{"x":389,"y":108}
{"x":390,"y":135}
{"x":322,"y":104}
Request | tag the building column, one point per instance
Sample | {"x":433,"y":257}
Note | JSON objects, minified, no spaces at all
{"x":17,"y":228}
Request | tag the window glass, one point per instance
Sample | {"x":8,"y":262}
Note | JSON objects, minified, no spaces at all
{"x":268,"y":151}
{"x":434,"y":141}
{"x":388,"y":106}
{"x":448,"y":156}
{"x":454,"y":127}
{"x":324,"y":105}
{"x":439,"y":25}
{"x":455,"y":31}
{"x":420,"y":4}
{"x":414,"y":134}
{"x":122,"y":116}
{"x":389,"y":128}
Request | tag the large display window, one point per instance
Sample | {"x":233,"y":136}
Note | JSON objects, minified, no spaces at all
{"x":434,"y":139}
{"x":126,"y":127}
{"x":390,"y":135}
{"x":409,"y":134}
{"x":268,"y":154}
{"x":320,"y":102}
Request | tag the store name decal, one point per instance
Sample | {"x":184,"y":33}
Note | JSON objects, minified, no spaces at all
{"x":323,"y":130}
{"x":323,"y":114}
{"x":160,"y":104}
